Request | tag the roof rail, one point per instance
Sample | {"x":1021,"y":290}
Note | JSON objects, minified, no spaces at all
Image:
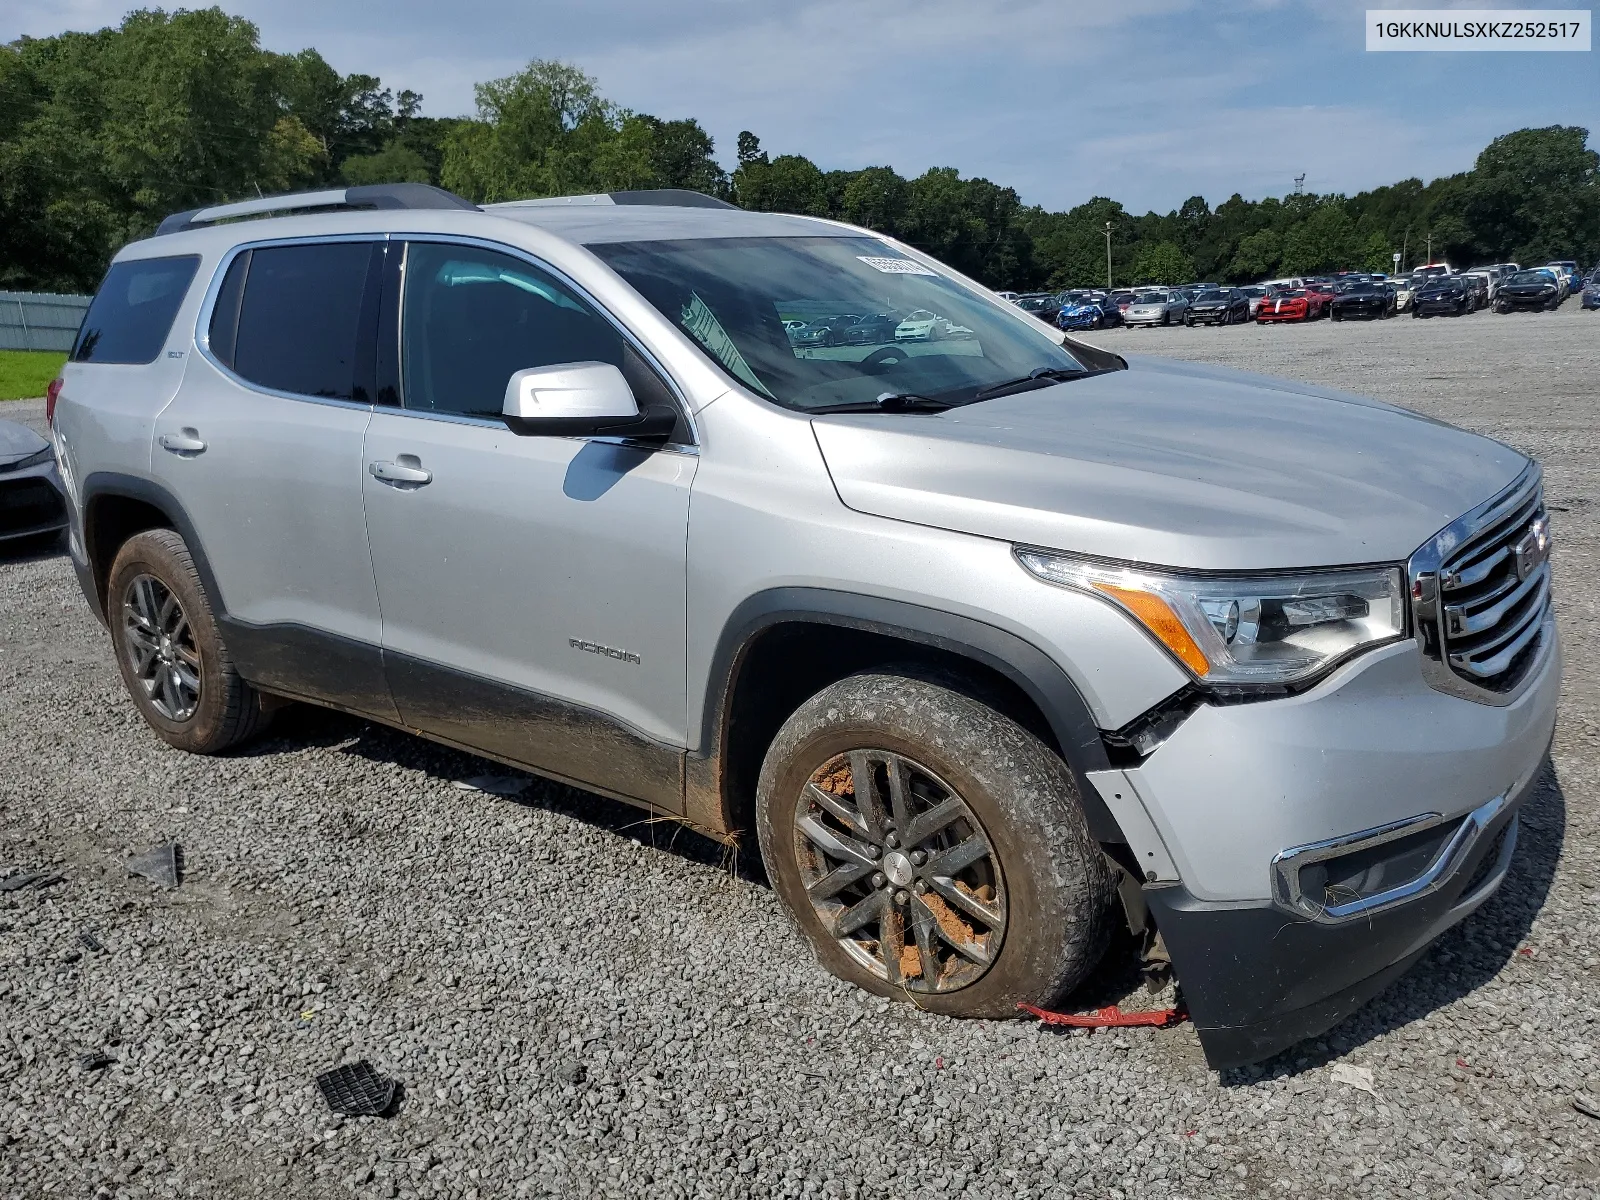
{"x":372,"y":195}
{"x":665,"y":197}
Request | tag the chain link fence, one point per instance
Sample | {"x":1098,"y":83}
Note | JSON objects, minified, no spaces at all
{"x":40,"y":320}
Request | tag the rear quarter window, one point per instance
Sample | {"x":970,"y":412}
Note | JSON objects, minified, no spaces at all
{"x":131,"y":315}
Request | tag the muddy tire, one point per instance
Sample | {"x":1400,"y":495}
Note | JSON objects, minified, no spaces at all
{"x":170,"y":651}
{"x":962,"y":878}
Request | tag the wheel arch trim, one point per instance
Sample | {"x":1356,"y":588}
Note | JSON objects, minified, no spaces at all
{"x":1039,"y":677}
{"x":103,"y":485}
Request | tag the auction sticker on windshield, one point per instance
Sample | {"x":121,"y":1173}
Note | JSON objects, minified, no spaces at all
{"x":895,"y":266}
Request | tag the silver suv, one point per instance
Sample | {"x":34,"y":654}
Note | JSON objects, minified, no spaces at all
{"x":989,"y":639}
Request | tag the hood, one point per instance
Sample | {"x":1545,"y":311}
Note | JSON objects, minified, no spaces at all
{"x":1176,"y":465}
{"x":17,"y":441}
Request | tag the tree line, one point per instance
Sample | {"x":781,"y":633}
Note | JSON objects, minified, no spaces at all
{"x":102,"y":134}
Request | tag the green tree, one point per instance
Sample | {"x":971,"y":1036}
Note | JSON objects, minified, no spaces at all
{"x":1259,"y":256}
{"x":1163,"y":262}
{"x":1325,"y":241}
{"x":1378,"y":253}
{"x":1534,"y":196}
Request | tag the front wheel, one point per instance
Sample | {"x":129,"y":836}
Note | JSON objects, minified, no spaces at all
{"x":170,"y":651}
{"x":931,"y":849}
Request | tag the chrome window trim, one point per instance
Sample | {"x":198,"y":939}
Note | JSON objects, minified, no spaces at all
{"x":1287,"y":864}
{"x":583,"y":293}
{"x":1422,"y":577}
{"x":202,"y":327}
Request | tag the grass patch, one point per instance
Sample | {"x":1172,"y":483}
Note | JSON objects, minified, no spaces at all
{"x":24,"y":374}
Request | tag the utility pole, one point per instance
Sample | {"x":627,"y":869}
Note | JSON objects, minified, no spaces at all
{"x":1430,"y":247}
{"x":1108,"y":256}
{"x":1405,"y":239}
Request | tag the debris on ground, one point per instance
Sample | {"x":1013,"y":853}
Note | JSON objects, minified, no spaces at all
{"x":88,"y":940}
{"x":1111,"y":1017}
{"x":1587,"y":1105}
{"x":357,"y":1090}
{"x":162,"y":865}
{"x":95,"y":1060}
{"x":1353,"y":1076}
{"x":30,"y":879}
{"x":509,"y":786}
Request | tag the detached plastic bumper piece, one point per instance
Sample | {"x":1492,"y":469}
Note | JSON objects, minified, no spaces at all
{"x":1258,"y":978}
{"x":357,"y":1090}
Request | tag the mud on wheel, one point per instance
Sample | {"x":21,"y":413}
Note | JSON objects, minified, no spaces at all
{"x":930,"y":848}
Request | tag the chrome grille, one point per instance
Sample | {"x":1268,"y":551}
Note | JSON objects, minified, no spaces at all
{"x":1480,"y":592}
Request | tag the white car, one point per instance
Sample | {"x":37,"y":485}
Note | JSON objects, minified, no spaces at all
{"x":922,"y":326}
{"x":1156,"y":308}
{"x":1491,"y":279}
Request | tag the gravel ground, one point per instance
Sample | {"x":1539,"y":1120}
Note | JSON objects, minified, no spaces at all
{"x":580,"y":1002}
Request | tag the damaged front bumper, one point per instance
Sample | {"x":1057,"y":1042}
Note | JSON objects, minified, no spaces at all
{"x":1300,"y":853}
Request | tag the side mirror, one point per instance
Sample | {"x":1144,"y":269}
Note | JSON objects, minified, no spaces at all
{"x":581,"y":399}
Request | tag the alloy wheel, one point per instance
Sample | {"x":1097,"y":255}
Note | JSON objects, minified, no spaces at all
{"x":900,"y":871}
{"x":161,"y":647}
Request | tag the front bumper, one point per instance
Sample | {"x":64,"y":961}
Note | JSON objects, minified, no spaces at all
{"x":1258,"y":980}
{"x":1236,"y":791}
{"x":32,"y":502}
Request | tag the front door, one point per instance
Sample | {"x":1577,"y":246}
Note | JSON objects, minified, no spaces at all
{"x":532,"y":588}
{"x":262,"y":448}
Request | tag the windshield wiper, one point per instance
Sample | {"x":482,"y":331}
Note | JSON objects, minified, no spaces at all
{"x":1043,"y":377}
{"x":894,"y":402}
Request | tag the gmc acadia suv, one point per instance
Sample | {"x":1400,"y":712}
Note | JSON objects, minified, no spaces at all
{"x":985,"y":635}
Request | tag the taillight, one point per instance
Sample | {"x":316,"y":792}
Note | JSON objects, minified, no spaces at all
{"x":51,"y":393}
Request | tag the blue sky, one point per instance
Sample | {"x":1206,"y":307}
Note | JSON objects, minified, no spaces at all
{"x":1147,"y":101}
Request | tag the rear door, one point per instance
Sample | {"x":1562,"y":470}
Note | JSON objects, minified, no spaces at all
{"x":262,"y":448}
{"x":533,"y":588}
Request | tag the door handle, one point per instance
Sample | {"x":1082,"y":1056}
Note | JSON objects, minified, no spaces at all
{"x":185,"y":442}
{"x":401,"y":472}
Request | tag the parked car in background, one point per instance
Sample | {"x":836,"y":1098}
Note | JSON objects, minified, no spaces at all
{"x":1283,"y":285}
{"x":1123,"y":300}
{"x":1218,"y":306}
{"x":1011,"y":296}
{"x":1292,"y":304}
{"x":1406,"y":289}
{"x":824,"y":331}
{"x":1156,"y":308}
{"x":1363,"y":300}
{"x":1044,"y":305}
{"x":1442,"y":296}
{"x":922,"y":326}
{"x":1571,"y":274}
{"x":1491,"y":277}
{"x":1431,"y":270}
{"x":32,"y":502}
{"x":1089,"y":312}
{"x":1477,"y":289}
{"x":1528,"y":290}
{"x":1590,"y":297}
{"x":1324,"y":288}
{"x":1253,"y":294}
{"x":874,"y":329}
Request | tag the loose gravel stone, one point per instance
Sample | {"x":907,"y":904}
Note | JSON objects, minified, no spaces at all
{"x":580,"y":1001}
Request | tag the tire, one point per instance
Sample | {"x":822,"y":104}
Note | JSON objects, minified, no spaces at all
{"x":149,"y":568}
{"x":1048,"y":877}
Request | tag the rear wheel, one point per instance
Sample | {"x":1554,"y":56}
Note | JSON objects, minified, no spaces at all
{"x":169,"y":649}
{"x":931,"y":849}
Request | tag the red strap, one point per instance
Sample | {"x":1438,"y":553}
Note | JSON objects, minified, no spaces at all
{"x":1109,"y":1018}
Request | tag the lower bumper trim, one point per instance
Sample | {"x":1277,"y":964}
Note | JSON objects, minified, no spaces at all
{"x":1257,"y":980}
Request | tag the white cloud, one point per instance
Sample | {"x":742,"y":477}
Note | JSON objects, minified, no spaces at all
{"x":1149,"y":101}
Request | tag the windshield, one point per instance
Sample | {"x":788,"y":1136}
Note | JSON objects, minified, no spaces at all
{"x":931,"y":336}
{"x":1211,"y":294}
{"x":1035,"y":302}
{"x":1152,"y":298}
{"x":1530,"y":277}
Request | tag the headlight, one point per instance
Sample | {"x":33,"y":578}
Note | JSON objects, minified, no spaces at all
{"x":1241,"y":629}
{"x":37,"y":458}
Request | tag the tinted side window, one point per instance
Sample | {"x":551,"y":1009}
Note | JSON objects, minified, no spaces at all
{"x":300,"y":318}
{"x":133,"y":311}
{"x":472,"y":318}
